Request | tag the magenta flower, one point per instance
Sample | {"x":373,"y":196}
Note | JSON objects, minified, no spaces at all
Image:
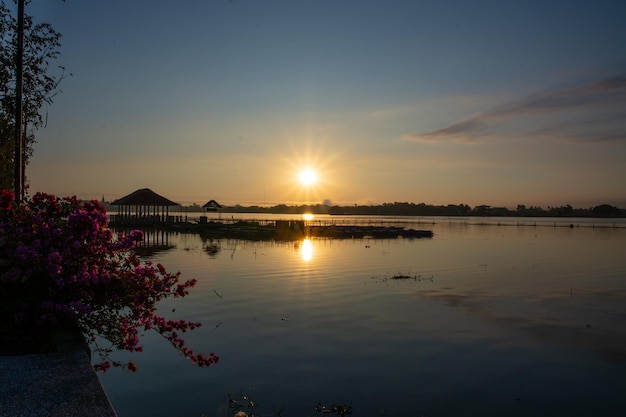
{"x":59,"y":263}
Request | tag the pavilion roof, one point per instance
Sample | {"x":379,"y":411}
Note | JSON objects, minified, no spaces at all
{"x":144,"y":197}
{"x":212,"y":204}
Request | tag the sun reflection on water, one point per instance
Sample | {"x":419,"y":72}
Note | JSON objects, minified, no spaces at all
{"x":306,"y":250}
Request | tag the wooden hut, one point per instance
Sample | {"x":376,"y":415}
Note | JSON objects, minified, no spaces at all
{"x":212,"y":206}
{"x":143,"y":206}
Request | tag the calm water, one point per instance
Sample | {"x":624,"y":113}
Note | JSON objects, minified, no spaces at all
{"x":496,"y":320}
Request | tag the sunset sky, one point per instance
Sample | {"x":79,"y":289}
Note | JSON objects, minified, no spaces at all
{"x":442,"y":102}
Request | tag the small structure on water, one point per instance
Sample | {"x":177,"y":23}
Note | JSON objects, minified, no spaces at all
{"x":143,"y":206}
{"x":212,"y":206}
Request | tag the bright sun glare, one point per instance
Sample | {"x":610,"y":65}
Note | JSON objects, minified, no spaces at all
{"x":306,"y":250}
{"x":307,"y":177}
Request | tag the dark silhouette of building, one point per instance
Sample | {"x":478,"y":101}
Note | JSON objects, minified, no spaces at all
{"x":143,"y":206}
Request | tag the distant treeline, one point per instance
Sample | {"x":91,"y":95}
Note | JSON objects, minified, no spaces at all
{"x":421,"y":209}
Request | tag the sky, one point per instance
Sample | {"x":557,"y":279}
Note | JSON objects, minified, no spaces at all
{"x":439,"y":102}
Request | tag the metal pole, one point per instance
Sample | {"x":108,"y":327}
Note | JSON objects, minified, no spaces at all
{"x":19,"y":80}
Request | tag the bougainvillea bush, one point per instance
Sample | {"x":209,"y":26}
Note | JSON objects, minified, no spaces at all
{"x":60,"y":265}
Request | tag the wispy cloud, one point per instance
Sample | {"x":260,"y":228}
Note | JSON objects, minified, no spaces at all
{"x":593,"y":112}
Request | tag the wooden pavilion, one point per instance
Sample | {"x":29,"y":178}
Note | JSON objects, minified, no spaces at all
{"x":212,"y":206}
{"x":143,"y":206}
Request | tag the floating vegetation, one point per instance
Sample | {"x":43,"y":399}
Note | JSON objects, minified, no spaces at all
{"x":413,"y":277}
{"x":244,"y":406}
{"x":339,"y":409}
{"x":237,"y":406}
{"x":400,"y":276}
{"x":404,"y":277}
{"x":212,"y":249}
{"x":290,"y":230}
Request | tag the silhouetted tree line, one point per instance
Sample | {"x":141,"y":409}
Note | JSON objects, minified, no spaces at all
{"x":422,"y":209}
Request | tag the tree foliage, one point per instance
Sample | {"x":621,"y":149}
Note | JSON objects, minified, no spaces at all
{"x":40,"y":85}
{"x":422,"y":209}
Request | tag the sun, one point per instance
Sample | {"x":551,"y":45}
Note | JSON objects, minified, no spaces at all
{"x":307,"y":177}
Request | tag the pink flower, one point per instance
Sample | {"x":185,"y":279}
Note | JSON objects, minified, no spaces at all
{"x":62,"y":251}
{"x":6,"y":199}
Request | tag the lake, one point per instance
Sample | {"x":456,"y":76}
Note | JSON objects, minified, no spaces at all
{"x":490,"y":317}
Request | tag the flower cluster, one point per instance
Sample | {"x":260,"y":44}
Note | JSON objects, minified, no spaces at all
{"x":60,"y":263}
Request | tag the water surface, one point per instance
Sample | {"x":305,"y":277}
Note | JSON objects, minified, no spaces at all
{"x":487,"y":320}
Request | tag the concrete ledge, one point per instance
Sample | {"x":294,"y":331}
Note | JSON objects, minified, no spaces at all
{"x":51,"y":384}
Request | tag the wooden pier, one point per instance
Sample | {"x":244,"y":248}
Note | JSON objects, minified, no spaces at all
{"x":261,"y":229}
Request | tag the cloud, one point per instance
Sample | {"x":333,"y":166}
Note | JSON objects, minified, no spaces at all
{"x":592,"y":112}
